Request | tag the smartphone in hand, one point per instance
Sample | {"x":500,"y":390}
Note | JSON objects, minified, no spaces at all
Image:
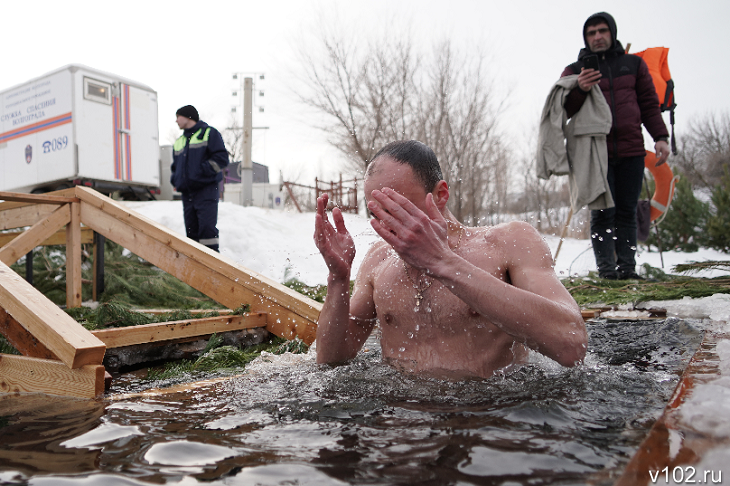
{"x":590,"y":62}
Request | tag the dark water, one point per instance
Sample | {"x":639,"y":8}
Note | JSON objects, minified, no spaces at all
{"x":291,"y":422}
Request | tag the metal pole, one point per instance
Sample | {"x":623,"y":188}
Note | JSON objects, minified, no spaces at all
{"x":29,"y":267}
{"x":99,"y":244}
{"x":562,"y":235}
{"x":246,"y":163}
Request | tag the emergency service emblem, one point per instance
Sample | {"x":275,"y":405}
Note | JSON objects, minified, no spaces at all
{"x":28,"y":153}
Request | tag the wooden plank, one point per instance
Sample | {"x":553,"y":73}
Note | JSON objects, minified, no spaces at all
{"x":192,"y":311}
{"x":4,"y":205}
{"x":225,"y":288}
{"x":21,"y":339}
{"x":66,"y":338}
{"x":185,"y":389}
{"x":290,"y":313}
{"x":73,"y":258}
{"x":191,"y":348}
{"x":165,"y":331}
{"x":21,"y":374}
{"x":57,"y":238}
{"x":20,"y":215}
{"x":35,"y":235}
{"x":36,"y":198}
{"x":255,"y":281}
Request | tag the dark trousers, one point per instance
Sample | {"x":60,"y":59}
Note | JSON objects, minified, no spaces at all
{"x":613,"y":230}
{"x":200,"y":210}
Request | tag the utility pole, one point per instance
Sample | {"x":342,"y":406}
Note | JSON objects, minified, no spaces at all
{"x":246,"y":163}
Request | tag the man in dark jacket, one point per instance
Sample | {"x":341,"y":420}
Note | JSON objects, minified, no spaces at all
{"x":626,"y":83}
{"x":198,"y":157}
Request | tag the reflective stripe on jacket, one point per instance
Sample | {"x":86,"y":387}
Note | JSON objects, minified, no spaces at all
{"x":198,"y":154}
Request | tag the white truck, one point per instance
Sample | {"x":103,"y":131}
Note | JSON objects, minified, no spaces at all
{"x":80,"y":126}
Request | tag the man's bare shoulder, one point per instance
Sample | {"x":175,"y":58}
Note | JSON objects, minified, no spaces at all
{"x":376,"y":255}
{"x":520,"y":241}
{"x":515,"y":230}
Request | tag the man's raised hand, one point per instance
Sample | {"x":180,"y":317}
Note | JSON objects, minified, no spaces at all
{"x":333,"y":242}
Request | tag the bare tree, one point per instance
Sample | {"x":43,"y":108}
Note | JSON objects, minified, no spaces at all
{"x":458,"y":119}
{"x":232,"y":136}
{"x":374,"y":92}
{"x":363,"y":91}
{"x":172,"y":135}
{"x":705,"y":150}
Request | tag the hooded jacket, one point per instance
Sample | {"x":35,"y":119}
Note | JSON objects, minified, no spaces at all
{"x":197,"y":158}
{"x":629,"y":91}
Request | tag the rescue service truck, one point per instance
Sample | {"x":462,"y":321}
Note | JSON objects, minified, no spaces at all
{"x":77,"y":125}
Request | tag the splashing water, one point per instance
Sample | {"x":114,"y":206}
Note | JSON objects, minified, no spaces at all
{"x":288,"y":420}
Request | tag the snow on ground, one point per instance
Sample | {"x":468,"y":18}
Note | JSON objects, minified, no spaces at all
{"x":279,"y":245}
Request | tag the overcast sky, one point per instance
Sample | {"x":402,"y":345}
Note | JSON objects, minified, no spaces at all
{"x":188,"y":50}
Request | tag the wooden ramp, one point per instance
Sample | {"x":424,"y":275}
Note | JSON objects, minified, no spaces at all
{"x":59,"y":355}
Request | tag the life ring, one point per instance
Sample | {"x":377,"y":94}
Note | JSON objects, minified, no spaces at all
{"x":664,"y":183}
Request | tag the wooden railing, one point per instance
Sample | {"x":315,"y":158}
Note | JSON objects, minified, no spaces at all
{"x":59,"y":355}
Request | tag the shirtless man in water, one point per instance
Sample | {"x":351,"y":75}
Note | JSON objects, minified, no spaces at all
{"x":452,"y":301}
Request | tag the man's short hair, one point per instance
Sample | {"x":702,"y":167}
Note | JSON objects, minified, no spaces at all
{"x":593,"y":21}
{"x":418,"y":156}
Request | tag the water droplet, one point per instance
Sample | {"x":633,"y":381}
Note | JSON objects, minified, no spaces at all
{"x":410,"y":335}
{"x":401,"y":349}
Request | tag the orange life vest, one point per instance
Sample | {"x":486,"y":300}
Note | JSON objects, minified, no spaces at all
{"x":656,"y":59}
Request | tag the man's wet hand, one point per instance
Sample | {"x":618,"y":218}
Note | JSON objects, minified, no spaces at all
{"x":333,"y":242}
{"x":419,"y":238}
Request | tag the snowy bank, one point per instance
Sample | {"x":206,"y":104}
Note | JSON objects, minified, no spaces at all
{"x":279,"y":243}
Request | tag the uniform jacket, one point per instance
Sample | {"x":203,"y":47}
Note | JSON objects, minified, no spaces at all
{"x":630,"y":93}
{"x":577,"y":148}
{"x":198,"y":157}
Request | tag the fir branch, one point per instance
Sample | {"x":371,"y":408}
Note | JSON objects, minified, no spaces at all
{"x":693,"y":267}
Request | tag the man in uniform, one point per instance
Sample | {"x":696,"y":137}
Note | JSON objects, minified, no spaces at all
{"x":198,"y":157}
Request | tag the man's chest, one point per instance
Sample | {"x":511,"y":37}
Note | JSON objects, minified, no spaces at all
{"x":404,"y":294}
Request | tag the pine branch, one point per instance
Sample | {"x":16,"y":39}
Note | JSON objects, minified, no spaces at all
{"x":693,"y":267}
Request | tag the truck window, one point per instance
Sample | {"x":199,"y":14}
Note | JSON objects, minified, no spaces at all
{"x":97,"y":91}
